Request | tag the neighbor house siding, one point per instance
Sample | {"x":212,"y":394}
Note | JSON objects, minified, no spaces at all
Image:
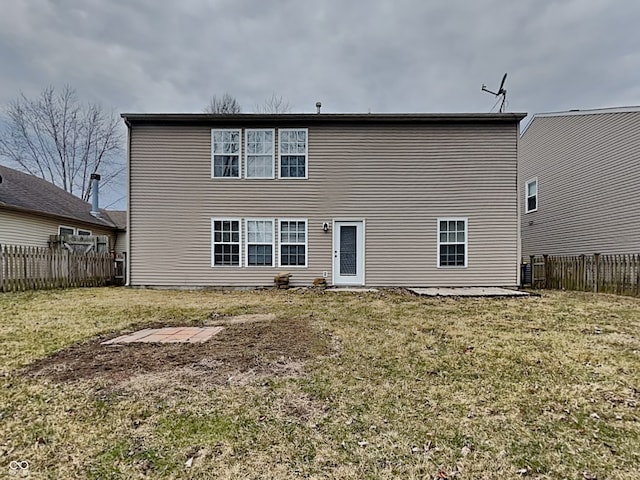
{"x":588,"y":171}
{"x":121,"y":242}
{"x":21,"y":228}
{"x":399,"y":179}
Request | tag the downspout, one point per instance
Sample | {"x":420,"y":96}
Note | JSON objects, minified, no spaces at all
{"x":127,"y":257}
{"x":519,"y":207}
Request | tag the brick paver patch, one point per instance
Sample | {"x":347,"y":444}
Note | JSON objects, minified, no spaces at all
{"x":167,"y":335}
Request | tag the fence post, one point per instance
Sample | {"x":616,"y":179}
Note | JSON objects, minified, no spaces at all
{"x":596,"y":272}
{"x":533,"y":267}
{"x":545,"y":269}
{"x":1,"y":268}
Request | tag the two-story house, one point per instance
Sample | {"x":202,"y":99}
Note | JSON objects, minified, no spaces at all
{"x":579,"y":178}
{"x":359,"y":199}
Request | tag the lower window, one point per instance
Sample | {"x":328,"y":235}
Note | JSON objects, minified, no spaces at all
{"x":293,"y":243}
{"x":452,"y":242}
{"x":259,"y":243}
{"x":226,"y":242}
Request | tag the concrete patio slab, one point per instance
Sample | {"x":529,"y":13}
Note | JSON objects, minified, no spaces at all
{"x":167,"y":335}
{"x":468,"y":292}
{"x":352,"y":289}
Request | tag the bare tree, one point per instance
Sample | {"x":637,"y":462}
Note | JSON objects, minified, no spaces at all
{"x":56,"y":137}
{"x":224,"y":104}
{"x":274,"y":104}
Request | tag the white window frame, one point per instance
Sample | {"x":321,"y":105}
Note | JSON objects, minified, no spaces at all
{"x":60,"y":227}
{"x":247,"y":243}
{"x":214,"y":243}
{"x":281,"y":154}
{"x":527,"y":196}
{"x":281,"y":243}
{"x":87,"y":232}
{"x":239,"y":154}
{"x":465,"y":243}
{"x":247,"y":154}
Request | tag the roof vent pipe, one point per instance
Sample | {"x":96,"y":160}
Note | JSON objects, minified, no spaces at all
{"x":318,"y":107}
{"x":95,"y":179}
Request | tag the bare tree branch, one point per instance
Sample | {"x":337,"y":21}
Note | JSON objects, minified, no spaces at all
{"x":224,"y":104}
{"x":56,"y":137}
{"x":274,"y":104}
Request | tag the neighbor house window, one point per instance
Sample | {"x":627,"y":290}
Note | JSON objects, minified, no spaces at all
{"x":225,"y":153}
{"x":259,"y":153}
{"x":259,"y":243}
{"x":293,"y":152}
{"x":66,"y":230}
{"x":452,"y":242}
{"x":226,"y":242}
{"x":293,"y":243}
{"x":532,"y":195}
{"x":84,"y":233}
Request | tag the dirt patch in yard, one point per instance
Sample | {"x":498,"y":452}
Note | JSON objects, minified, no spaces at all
{"x":254,"y":348}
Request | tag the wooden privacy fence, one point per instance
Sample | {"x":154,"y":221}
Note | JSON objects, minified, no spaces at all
{"x":619,"y":274}
{"x":33,"y":268}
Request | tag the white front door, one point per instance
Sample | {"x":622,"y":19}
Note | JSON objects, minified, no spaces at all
{"x":348,"y":253}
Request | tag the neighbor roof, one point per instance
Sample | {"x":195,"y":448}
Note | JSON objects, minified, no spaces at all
{"x":593,"y":111}
{"x":21,"y":191}
{"x":576,"y":112}
{"x":319,"y":118}
{"x":118,"y":218}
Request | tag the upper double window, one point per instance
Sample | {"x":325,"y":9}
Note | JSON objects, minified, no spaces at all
{"x":259,"y":153}
{"x":293,"y":153}
{"x":225,"y":146}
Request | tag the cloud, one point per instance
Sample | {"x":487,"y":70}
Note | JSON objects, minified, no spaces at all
{"x":401,"y":56}
{"x":354,"y":56}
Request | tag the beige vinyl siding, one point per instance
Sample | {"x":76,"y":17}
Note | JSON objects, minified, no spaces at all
{"x":399,"y":179}
{"x":588,"y":170}
{"x":121,"y":242}
{"x":21,"y":228}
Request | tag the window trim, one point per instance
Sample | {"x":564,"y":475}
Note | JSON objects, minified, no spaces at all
{"x":73,"y":230}
{"x":213,"y":243}
{"x":466,"y":241}
{"x":247,"y":154}
{"x":527,"y":196}
{"x":247,"y":243}
{"x":87,"y":232}
{"x":306,"y":242}
{"x":239,"y":130}
{"x":306,"y":153}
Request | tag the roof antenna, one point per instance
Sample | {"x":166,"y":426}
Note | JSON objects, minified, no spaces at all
{"x":500,"y":93}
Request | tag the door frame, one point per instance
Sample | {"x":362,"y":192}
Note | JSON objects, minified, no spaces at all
{"x":361,"y":257}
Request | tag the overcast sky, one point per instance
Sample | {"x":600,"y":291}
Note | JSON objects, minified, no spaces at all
{"x":353,"y":55}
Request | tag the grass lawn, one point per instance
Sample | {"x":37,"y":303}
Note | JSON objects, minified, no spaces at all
{"x":321,"y":385}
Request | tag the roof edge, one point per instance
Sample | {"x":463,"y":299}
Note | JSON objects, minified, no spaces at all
{"x":106,"y":225}
{"x":578,"y":112}
{"x":321,"y":117}
{"x":591,"y":111}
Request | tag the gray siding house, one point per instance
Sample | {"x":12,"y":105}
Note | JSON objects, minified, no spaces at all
{"x":32,"y":209}
{"x":579,"y":181}
{"x":359,"y":199}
